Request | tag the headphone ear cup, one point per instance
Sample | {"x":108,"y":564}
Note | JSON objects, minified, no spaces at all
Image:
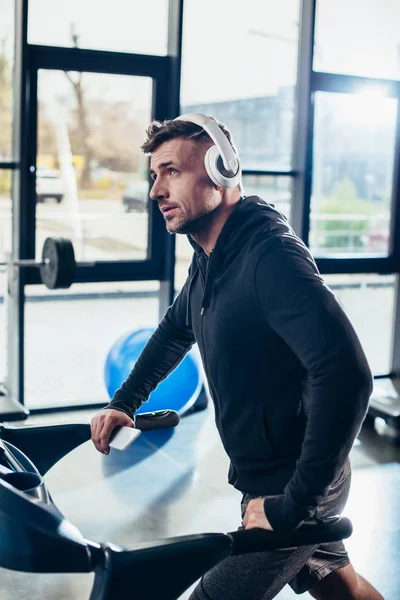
{"x":212,"y":162}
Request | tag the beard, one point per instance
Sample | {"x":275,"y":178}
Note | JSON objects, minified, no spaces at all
{"x":183,"y":225}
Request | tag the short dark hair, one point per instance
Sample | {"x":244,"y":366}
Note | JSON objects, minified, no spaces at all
{"x":160,"y":132}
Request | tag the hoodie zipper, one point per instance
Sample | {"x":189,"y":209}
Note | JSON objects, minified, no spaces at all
{"x":203,"y":317}
{"x":205,"y":280}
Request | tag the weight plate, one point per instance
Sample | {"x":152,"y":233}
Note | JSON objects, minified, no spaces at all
{"x":59,"y":272}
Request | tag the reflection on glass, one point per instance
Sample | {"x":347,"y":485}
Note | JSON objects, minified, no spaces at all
{"x":91,"y":178}
{"x":368,"y":300}
{"x":250,"y":75}
{"x":120,"y":25}
{"x":6,"y":77}
{"x":68,"y":340}
{"x":354,"y":139}
{"x":358,"y":38}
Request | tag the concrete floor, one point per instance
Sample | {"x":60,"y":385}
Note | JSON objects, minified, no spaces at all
{"x":166,"y":485}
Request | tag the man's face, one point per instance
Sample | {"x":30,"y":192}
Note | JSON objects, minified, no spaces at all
{"x":182,"y":188}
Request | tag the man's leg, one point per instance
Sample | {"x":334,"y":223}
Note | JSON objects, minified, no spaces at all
{"x":344,"y":584}
{"x":261,"y":576}
{"x":256,"y":576}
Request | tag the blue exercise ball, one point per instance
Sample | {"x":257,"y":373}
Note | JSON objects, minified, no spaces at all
{"x":179,"y":391}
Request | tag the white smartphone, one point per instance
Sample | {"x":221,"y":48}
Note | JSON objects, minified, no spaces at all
{"x":122,"y":437}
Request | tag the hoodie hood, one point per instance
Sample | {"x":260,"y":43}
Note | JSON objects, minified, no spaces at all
{"x":250,"y":213}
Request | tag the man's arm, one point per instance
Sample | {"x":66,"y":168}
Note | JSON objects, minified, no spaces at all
{"x":162,"y":353}
{"x":165,"y":349}
{"x":306,"y":315}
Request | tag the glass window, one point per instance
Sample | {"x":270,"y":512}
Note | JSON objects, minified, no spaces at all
{"x":6,"y":78}
{"x":239,"y":64}
{"x":5,"y":246}
{"x":5,"y":212}
{"x":275,"y":190}
{"x":92,"y":177}
{"x":68,"y":334}
{"x":368,"y":300}
{"x":358,"y":38}
{"x":121,"y":25}
{"x":353,"y":157}
{"x":3,"y":327}
{"x":183,"y":257}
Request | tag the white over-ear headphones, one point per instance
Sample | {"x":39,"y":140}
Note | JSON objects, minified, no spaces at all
{"x":221,"y":163}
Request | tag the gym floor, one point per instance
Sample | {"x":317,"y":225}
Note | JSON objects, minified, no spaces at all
{"x":174,"y":483}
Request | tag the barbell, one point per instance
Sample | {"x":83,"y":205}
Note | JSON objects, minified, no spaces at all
{"x":58,"y":264}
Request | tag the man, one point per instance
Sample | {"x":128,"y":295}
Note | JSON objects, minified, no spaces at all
{"x":286,"y":372}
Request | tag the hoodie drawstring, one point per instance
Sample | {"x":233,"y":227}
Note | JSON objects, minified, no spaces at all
{"x":209,"y":284}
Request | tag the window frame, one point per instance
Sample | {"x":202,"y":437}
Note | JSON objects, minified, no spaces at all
{"x":310,"y":82}
{"x":96,"y":61}
{"x":349,"y":84}
{"x":165,"y":72}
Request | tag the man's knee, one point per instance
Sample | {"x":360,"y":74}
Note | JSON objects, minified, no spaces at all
{"x":346,"y":584}
{"x":341,"y":583}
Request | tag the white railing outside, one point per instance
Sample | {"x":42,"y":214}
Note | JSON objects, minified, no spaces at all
{"x":124,"y":235}
{"x":349,"y":234}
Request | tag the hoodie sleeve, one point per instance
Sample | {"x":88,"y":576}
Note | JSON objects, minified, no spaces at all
{"x":163,"y":352}
{"x":302,"y":310}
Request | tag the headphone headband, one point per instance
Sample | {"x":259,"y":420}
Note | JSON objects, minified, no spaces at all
{"x":228,"y":174}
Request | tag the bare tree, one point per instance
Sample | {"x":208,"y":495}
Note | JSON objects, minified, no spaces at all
{"x":47,"y":142}
{"x":84,"y":131}
{"x":118,"y":137}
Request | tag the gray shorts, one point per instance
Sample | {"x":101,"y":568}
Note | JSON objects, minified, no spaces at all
{"x":261,"y":575}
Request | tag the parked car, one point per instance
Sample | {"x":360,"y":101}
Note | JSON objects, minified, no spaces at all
{"x":49,"y":185}
{"x":136,"y":196}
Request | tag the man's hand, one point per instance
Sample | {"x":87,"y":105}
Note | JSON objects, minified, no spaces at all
{"x":102,"y":426}
{"x":255,"y":516}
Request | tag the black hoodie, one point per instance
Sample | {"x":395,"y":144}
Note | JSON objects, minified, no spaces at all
{"x":286,"y":371}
